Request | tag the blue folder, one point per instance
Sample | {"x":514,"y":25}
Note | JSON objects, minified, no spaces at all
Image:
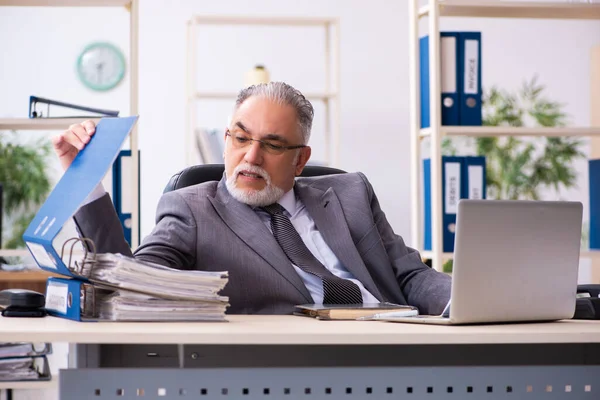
{"x":453,"y":189}
{"x":470,"y":89}
{"x":594,"y":177}
{"x":475,"y":186}
{"x":424,"y":81}
{"x":119,"y":174}
{"x":450,"y":78}
{"x":86,"y":171}
{"x":66,"y":298}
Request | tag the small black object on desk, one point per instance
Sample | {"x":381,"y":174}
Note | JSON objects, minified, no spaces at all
{"x":588,"y":302}
{"x":22,"y":303}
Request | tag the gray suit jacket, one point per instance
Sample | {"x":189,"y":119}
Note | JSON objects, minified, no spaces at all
{"x":202,"y":227}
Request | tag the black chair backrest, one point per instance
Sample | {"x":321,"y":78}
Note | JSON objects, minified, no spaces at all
{"x":214,"y":172}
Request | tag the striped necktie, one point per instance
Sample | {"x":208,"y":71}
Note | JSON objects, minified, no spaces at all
{"x":335,"y":290}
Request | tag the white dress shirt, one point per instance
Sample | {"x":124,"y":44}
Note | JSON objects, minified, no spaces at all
{"x":304,"y":224}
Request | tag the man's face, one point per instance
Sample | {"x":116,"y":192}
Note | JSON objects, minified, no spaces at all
{"x":255,"y":175}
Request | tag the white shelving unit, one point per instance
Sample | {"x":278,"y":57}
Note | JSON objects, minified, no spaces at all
{"x":328,"y":96}
{"x":434,"y":10}
{"x":63,"y":123}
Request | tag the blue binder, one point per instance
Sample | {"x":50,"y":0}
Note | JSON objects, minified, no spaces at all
{"x":424,"y":81}
{"x":120,"y":172}
{"x":450,"y":78}
{"x":475,"y":186}
{"x":594,"y":177}
{"x":65,"y":298}
{"x":470,"y":67}
{"x":74,"y":299}
{"x":86,"y":171}
{"x":453,"y":178}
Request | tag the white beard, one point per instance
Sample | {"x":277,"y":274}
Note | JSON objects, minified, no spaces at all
{"x":255,"y":198}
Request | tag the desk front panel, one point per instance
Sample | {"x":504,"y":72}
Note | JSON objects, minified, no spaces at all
{"x":414,"y":383}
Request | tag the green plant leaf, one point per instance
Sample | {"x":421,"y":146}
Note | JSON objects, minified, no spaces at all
{"x":518,"y":168}
{"x":24,"y":179}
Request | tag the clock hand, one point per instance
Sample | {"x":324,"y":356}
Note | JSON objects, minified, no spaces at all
{"x":99,"y":67}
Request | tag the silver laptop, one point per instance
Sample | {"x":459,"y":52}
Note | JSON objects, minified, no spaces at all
{"x":513,"y":261}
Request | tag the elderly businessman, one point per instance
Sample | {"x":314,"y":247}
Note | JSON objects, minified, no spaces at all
{"x":284,"y":240}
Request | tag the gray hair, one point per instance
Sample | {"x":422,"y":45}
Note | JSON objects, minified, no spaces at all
{"x":284,"y":94}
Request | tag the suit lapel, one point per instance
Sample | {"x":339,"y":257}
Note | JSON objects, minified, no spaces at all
{"x":248,"y":227}
{"x":326,"y":210}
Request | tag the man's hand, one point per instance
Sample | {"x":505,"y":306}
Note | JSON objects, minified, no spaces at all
{"x":68,"y":144}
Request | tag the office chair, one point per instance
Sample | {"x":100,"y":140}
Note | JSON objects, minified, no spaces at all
{"x":214,"y":172}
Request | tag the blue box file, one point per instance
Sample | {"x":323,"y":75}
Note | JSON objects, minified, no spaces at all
{"x":470,"y":67}
{"x":452,"y":191}
{"x":594,"y":177}
{"x":120,"y":172}
{"x":450,"y":78}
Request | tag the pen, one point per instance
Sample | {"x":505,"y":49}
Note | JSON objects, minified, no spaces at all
{"x":393,"y":314}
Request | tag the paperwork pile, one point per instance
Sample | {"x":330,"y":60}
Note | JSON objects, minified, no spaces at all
{"x":144,"y":277}
{"x":147,"y":291}
{"x":24,"y":361}
{"x":120,"y":288}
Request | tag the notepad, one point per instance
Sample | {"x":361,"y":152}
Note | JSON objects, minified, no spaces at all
{"x":348,"y":311}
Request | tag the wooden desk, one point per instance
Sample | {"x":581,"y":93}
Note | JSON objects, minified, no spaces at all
{"x":275,"y":357}
{"x":31,"y":279}
{"x":293,"y":330}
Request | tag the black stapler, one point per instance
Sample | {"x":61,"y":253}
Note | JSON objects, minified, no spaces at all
{"x":587,"y":305}
{"x":22,"y":303}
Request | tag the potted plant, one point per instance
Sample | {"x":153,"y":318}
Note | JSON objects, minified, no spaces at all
{"x":520,"y":168}
{"x":25,"y":182}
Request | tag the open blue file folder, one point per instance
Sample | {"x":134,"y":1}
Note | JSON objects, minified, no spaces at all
{"x":86,"y":171}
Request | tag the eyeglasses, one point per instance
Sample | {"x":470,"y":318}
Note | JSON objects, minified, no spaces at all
{"x":269,"y":146}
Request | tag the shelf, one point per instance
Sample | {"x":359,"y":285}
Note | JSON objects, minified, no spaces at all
{"x":427,"y":254}
{"x":14,"y":252}
{"x":592,"y":254}
{"x":485,"y":131}
{"x":283,"y":21}
{"x":65,"y":3}
{"x":234,"y":95}
{"x":25,"y":276}
{"x":40,"y":124}
{"x":514,"y":9}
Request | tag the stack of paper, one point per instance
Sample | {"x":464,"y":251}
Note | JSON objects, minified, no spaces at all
{"x":141,"y":291}
{"x":22,"y":369}
{"x":154,"y":279}
{"x":128,"y":306}
{"x":122,"y":288}
{"x":24,"y":361}
{"x":24,"y":349}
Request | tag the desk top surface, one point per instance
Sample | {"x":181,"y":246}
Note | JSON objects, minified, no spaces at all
{"x":287,"y":329}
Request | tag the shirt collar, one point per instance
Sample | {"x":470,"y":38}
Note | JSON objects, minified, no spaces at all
{"x":288,"y":201}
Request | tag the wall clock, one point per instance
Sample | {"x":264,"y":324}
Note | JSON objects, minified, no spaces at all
{"x":101,"y":66}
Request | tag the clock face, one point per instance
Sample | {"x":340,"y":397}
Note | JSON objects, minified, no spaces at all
{"x":101,"y":66}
